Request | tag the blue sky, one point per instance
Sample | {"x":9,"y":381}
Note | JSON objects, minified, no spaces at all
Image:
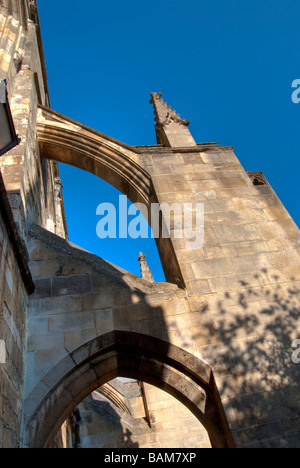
{"x":226,"y":65}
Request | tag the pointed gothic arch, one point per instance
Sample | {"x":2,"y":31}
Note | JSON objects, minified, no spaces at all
{"x":133,"y":355}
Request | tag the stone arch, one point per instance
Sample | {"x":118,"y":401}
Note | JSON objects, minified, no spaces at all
{"x":64,"y":140}
{"x":133,"y":355}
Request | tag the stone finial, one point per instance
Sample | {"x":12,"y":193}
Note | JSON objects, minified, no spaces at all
{"x":164,"y":114}
{"x":145,"y":271}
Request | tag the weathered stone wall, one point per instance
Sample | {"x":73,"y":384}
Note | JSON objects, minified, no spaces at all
{"x":13,"y":316}
{"x":248,"y":271}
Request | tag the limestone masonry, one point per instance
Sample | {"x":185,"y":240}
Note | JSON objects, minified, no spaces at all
{"x":93,"y":356}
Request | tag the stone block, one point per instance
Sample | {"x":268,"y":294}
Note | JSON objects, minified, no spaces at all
{"x":71,"y":285}
{"x":232,"y":282}
{"x":162,"y":184}
{"x":237,"y":233}
{"x":228,"y":217}
{"x":288,"y":259}
{"x":74,"y":340}
{"x":210,"y":237}
{"x":97,"y":301}
{"x":213,"y":252}
{"x":162,"y":159}
{"x":71,"y":321}
{"x":212,"y":268}
{"x":38,"y":325}
{"x":217,"y":205}
{"x":251,"y":248}
{"x":45,"y":341}
{"x":233,"y":182}
{"x":211,"y":158}
{"x":56,"y":305}
{"x":198,"y":287}
{"x":274,"y":213}
{"x":250,"y":263}
{"x":43,"y":288}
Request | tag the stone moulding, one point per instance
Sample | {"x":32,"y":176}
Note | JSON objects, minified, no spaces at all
{"x":200,"y":148}
{"x":138,"y":356}
{"x":69,"y":142}
{"x":111,"y":394}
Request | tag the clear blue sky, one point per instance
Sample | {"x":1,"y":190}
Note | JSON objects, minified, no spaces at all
{"x":227,"y":65}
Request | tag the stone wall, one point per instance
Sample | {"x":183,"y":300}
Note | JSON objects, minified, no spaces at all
{"x":27,"y":196}
{"x":248,"y":271}
{"x":30,"y":182}
{"x":14,"y":289}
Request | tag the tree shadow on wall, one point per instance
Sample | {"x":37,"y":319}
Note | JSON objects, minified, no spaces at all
{"x":104,"y":425}
{"x":258,"y":381}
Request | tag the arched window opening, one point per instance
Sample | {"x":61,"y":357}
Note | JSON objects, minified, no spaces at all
{"x":135,"y":356}
{"x":126,"y":413}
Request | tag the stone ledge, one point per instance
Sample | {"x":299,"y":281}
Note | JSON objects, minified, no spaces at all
{"x":201,"y":147}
